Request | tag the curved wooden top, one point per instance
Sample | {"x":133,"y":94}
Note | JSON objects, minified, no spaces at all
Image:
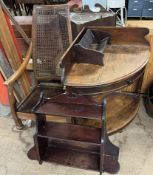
{"x":124,"y":58}
{"x":120,"y":62}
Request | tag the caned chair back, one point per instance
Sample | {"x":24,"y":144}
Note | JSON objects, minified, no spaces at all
{"x":51,"y":33}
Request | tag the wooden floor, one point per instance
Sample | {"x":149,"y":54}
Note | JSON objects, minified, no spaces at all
{"x":141,"y":23}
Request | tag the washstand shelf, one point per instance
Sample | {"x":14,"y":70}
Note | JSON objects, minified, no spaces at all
{"x":74,"y":145}
{"x":85,"y":146}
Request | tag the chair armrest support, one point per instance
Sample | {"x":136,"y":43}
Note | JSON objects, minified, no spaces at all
{"x":21,"y":69}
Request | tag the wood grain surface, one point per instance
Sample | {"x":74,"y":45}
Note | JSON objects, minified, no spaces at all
{"x":26,"y":21}
{"x":148,"y":76}
{"x":7,"y":71}
{"x":121,"y":110}
{"x":11,"y":51}
{"x":119,"y":61}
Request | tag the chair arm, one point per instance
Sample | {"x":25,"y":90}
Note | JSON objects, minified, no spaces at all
{"x":21,"y":69}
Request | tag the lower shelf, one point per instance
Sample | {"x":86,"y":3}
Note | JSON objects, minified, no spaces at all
{"x":76,"y":158}
{"x":73,"y":158}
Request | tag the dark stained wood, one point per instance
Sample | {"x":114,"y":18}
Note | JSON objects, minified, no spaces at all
{"x":79,"y":145}
{"x":90,"y":48}
{"x":124,"y":108}
{"x":70,"y":144}
{"x":76,"y":156}
{"x":148,"y":101}
{"x":67,"y":137}
{"x":74,"y":153}
{"x":70,"y":110}
{"x":72,"y":106}
{"x":72,"y":158}
{"x":78,"y":159}
{"x":70,"y":132}
{"x":27,"y":104}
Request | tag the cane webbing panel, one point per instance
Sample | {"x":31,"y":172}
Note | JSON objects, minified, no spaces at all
{"x":51,"y":37}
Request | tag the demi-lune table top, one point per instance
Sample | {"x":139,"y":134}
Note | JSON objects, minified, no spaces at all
{"x":120,"y":61}
{"x":124,"y":57}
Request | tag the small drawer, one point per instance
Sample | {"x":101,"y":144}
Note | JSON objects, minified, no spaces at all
{"x":140,"y":6}
{"x":148,"y":4}
{"x":134,"y":12}
{"x":147,"y":12}
{"x":148,"y":0}
{"x":148,"y":9}
{"x":138,"y":3}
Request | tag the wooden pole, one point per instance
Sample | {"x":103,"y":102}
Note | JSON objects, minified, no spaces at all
{"x":11,"y":51}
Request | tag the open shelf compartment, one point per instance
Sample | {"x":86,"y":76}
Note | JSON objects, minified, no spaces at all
{"x":80,"y":155}
{"x":70,"y":106}
{"x":71,"y":132}
{"x":72,"y":155}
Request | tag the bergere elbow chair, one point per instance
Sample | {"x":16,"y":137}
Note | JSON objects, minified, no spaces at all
{"x":51,"y":36}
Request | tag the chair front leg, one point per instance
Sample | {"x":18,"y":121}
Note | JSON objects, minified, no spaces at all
{"x":18,"y":122}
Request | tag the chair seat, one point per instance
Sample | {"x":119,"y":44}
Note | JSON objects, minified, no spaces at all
{"x":31,"y":100}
